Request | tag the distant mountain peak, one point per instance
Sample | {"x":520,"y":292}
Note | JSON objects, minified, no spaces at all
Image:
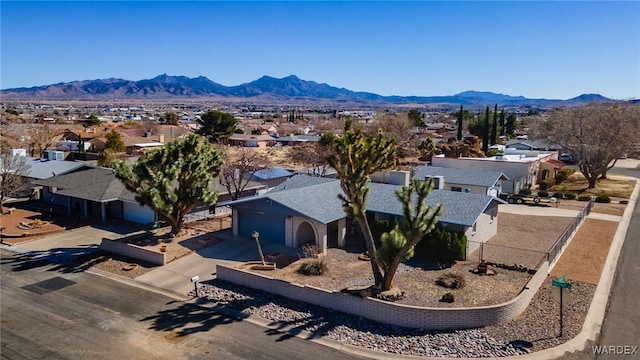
{"x":166,"y":86}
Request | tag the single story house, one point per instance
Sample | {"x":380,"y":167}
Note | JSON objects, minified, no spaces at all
{"x":250,"y":140}
{"x":531,"y":145}
{"x":483,"y":182}
{"x":292,"y":140}
{"x":271,"y":177}
{"x":93,"y":192}
{"x":306,"y":209}
{"x":522,"y":168}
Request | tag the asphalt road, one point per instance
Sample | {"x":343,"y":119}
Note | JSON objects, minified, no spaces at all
{"x":621,"y":325}
{"x":47,"y":312}
{"x":622,"y":320}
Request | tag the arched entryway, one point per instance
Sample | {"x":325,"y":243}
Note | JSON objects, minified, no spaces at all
{"x":305,"y":234}
{"x":545,"y":174}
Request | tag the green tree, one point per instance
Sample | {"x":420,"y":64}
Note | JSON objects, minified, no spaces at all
{"x":92,"y":120}
{"x":173,"y":179}
{"x":398,"y":244}
{"x":169,"y":118}
{"x":217,"y":126}
{"x":427,"y":149}
{"x":460,"y":117}
{"x":511,"y":124}
{"x":114,"y":142}
{"x":485,"y":133}
{"x":494,"y":127}
{"x":355,"y":155}
{"x":106,"y":158}
{"x":502,"y":123}
{"x":416,"y":116}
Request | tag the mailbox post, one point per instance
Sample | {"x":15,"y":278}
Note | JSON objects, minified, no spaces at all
{"x":194,"y":280}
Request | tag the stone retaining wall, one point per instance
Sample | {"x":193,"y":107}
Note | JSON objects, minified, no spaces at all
{"x":133,"y":251}
{"x":388,"y":312}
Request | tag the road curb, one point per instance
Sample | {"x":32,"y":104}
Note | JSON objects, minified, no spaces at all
{"x":595,"y":316}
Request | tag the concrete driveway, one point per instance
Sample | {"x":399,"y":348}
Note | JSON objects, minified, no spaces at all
{"x":176,"y":275}
{"x":65,"y":246}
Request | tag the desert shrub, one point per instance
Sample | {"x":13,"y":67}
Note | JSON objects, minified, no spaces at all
{"x":442,"y":245}
{"x":451,"y":281}
{"x":525,"y":192}
{"x":379,"y":227}
{"x":448,"y":298}
{"x":570,"y":195}
{"x":311,"y":251}
{"x":546,"y":184}
{"x":543,"y":194}
{"x":313,"y":267}
{"x":602,"y":198}
{"x":37,"y":223}
{"x":584,"y":197}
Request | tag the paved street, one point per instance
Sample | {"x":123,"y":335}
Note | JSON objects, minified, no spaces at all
{"x":47,"y":313}
{"x":622,"y":320}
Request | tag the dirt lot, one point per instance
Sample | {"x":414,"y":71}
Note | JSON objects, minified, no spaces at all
{"x":13,"y":233}
{"x":584,"y":258}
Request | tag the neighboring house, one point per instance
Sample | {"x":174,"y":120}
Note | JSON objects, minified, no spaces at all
{"x":307,"y":209}
{"x":93,"y":192}
{"x":250,"y":140}
{"x":483,"y":182}
{"x":531,"y":145}
{"x":293,"y":140}
{"x":272,"y":176}
{"x":522,"y":168}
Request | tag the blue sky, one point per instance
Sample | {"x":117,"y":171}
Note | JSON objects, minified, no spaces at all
{"x":534,"y":49}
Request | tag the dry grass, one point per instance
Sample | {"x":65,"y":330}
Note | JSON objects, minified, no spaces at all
{"x":614,"y":186}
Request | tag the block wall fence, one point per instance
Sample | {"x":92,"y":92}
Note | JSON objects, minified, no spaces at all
{"x":388,"y":312}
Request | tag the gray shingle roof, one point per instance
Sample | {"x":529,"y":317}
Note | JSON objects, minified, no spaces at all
{"x":317,"y":198}
{"x":97,"y":184}
{"x":459,"y":208}
{"x":460,"y":176}
{"x":40,"y":169}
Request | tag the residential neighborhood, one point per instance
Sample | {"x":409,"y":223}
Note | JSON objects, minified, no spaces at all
{"x":276,"y":188}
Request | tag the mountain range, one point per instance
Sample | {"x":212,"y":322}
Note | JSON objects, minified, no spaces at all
{"x":266,"y":88}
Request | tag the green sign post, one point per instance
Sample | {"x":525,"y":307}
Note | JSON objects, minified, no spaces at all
{"x":561,"y":284}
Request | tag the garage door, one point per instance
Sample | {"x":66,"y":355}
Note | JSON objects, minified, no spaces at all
{"x":137,"y":213}
{"x":271,"y":228}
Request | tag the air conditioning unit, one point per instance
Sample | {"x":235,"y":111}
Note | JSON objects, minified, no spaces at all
{"x":53,"y":155}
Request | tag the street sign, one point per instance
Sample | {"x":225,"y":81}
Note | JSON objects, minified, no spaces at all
{"x":562,"y":285}
{"x":561,"y":282}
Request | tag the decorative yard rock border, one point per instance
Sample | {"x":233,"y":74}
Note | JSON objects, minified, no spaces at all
{"x":388,"y":312}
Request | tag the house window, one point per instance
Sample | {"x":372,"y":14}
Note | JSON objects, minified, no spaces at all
{"x":455,"y":188}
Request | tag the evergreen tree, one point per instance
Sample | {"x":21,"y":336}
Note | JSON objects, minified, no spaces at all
{"x":355,"y":155}
{"x":416,"y":117}
{"x":485,"y":133}
{"x":494,"y":128}
{"x":114,"y":142}
{"x":217,"y":126}
{"x":511,"y":124}
{"x":502,"y":124}
{"x":460,"y":115}
{"x":173,"y":179}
